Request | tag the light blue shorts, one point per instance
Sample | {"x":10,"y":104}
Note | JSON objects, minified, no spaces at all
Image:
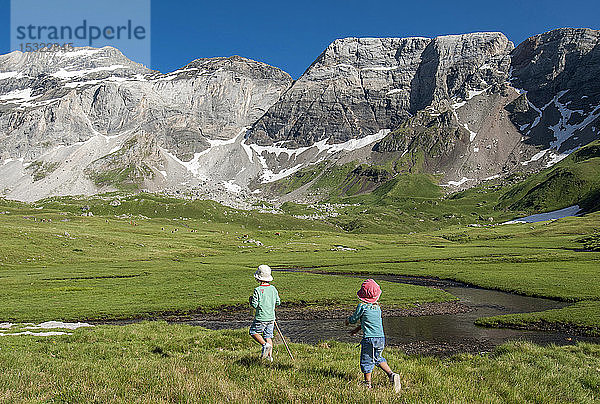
{"x":370,"y":353}
{"x":264,"y":328}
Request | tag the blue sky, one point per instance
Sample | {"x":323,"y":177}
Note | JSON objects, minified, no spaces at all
{"x":290,"y":35}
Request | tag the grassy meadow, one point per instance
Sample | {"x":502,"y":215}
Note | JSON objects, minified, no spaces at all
{"x":160,"y":363}
{"x":154,"y":255}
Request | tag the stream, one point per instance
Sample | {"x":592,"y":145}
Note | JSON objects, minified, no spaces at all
{"x":443,"y":334}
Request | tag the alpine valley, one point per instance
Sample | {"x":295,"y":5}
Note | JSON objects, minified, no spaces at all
{"x":453,"y":112}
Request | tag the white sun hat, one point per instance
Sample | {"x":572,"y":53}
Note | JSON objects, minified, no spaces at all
{"x":263,"y":273}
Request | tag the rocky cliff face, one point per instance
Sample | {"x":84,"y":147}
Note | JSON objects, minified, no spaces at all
{"x":557,"y":73}
{"x":505,"y":109}
{"x":358,"y":86}
{"x":54,"y":104}
{"x":465,"y":107}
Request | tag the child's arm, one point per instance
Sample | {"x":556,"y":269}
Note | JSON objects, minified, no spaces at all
{"x":355,"y":331}
{"x":254,"y":299}
{"x":354,"y":318}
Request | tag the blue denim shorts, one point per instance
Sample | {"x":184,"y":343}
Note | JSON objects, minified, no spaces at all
{"x":264,"y":328}
{"x":370,"y":353}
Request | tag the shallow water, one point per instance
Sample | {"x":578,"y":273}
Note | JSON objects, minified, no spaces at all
{"x":443,"y":334}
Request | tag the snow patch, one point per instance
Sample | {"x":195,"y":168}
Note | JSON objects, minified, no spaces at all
{"x":9,"y":329}
{"x":563,"y":130}
{"x":67,"y":74}
{"x":7,"y":75}
{"x":18,"y":95}
{"x":540,"y":217}
{"x":472,"y":135}
{"x":475,"y":93}
{"x":457,"y":183}
{"x":37,"y":334}
{"x":537,"y":118}
{"x":355,"y":144}
{"x":57,"y":324}
{"x":394,"y":91}
{"x":232,"y":187}
{"x":194,"y":164}
{"x":270,"y":176}
{"x":79,"y":53}
{"x":458,"y":105}
{"x":557,"y":157}
{"x":535,"y":157}
{"x":321,"y":146}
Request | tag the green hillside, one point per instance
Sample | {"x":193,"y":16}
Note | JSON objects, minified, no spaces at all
{"x":574,"y":180}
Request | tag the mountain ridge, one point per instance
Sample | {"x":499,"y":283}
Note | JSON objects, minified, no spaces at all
{"x":226,"y":127}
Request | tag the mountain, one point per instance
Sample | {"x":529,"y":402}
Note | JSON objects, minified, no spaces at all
{"x":459,"y":108}
{"x":91,"y":120}
{"x":464,"y":107}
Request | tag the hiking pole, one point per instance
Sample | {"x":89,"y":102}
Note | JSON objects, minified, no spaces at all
{"x":284,"y":342}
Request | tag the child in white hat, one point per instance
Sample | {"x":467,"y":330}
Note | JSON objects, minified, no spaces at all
{"x":264,"y":299}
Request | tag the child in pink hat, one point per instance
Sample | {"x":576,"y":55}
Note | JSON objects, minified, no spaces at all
{"x":373,"y":341}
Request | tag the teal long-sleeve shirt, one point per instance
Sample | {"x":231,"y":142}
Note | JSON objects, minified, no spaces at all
{"x":264,"y":300}
{"x":370,"y":319}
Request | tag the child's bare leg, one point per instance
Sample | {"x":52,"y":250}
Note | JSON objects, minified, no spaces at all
{"x":258,"y":338}
{"x":270,"y":342}
{"x":368,"y":377}
{"x":386,"y":368}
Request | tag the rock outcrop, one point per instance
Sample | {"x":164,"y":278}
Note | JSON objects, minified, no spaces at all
{"x":359,"y":86}
{"x":53,"y":103}
{"x":558,"y":73}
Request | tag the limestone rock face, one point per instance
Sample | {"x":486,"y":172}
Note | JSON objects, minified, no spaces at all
{"x":559,"y":72}
{"x":53,"y":103}
{"x":359,"y":86}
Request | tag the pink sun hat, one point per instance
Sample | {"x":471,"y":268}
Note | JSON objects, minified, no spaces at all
{"x":369,"y":291}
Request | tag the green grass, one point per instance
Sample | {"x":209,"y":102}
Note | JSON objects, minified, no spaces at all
{"x":75,"y":268}
{"x":156,"y":362}
{"x":132,"y":262}
{"x":151,"y":255}
{"x":584,"y":315}
{"x":412,"y":201}
{"x":572,"y":181}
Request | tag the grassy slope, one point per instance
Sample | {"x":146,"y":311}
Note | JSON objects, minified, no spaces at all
{"x":105,"y":267}
{"x":575,"y":180}
{"x":156,"y":362}
{"x":411,"y":203}
{"x":584,"y":314}
{"x":414,"y":202}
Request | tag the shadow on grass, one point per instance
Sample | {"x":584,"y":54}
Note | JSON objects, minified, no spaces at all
{"x":330,"y":373}
{"x":253,"y":361}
